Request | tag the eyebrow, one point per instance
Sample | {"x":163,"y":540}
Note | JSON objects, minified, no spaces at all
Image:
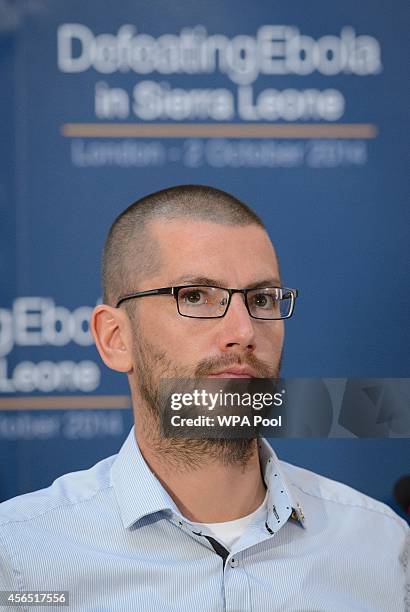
{"x":217,"y":282}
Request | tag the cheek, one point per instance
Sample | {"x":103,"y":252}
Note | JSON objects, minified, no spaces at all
{"x":170,"y":333}
{"x":156,"y":317}
{"x":271,"y":339}
{"x":280,"y":333}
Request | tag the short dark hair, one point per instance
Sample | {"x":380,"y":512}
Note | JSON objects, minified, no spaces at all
{"x":126,"y":241}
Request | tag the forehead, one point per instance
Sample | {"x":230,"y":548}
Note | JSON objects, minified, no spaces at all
{"x":230,"y":253}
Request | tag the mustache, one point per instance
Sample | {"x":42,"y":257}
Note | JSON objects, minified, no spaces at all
{"x":212,"y":364}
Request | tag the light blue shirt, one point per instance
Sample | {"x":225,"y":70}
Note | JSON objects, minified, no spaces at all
{"x":114,"y":538}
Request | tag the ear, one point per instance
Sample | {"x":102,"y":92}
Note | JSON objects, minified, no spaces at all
{"x":112,"y":334}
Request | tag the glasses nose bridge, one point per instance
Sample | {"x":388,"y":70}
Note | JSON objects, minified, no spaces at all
{"x":244,"y":293}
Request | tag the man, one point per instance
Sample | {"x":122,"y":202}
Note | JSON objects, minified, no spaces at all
{"x":173,"y":524}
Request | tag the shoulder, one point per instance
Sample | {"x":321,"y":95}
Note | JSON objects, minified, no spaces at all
{"x":68,"y":490}
{"x":317,"y":490}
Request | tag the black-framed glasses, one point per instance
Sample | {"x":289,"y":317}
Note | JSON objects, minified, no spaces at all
{"x":206,"y":302}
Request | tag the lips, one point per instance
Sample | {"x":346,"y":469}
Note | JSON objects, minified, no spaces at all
{"x":234,"y":373}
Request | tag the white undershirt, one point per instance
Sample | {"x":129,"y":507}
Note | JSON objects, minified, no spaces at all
{"x":231,"y":531}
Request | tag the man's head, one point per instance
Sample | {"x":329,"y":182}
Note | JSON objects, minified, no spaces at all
{"x":184,"y":236}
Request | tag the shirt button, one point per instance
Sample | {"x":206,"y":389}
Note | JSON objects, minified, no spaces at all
{"x":234,"y":562}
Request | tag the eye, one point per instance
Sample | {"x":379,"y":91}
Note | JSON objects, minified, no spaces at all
{"x":266,"y":300}
{"x":202,"y":296}
{"x":196,"y":296}
{"x":193,"y":296}
{"x":263,"y":300}
{"x":260,"y":300}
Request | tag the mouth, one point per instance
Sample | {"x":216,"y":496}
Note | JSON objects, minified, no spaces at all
{"x":234,"y":373}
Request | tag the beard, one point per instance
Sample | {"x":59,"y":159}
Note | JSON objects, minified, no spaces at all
{"x":150,"y":366}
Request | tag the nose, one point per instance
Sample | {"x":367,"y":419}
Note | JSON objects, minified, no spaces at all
{"x":237,"y":331}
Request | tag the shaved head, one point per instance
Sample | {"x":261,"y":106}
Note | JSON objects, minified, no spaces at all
{"x":131,"y":254}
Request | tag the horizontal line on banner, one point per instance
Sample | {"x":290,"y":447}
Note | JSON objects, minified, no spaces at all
{"x":219,"y":130}
{"x":65,"y":402}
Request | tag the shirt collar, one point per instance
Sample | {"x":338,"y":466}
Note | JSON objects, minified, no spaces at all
{"x":282,"y":501}
{"x":139,"y":493}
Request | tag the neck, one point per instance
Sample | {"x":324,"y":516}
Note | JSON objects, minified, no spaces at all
{"x":209,"y":481}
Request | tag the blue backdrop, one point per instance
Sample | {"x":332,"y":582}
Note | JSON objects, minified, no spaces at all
{"x":297,"y":109}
